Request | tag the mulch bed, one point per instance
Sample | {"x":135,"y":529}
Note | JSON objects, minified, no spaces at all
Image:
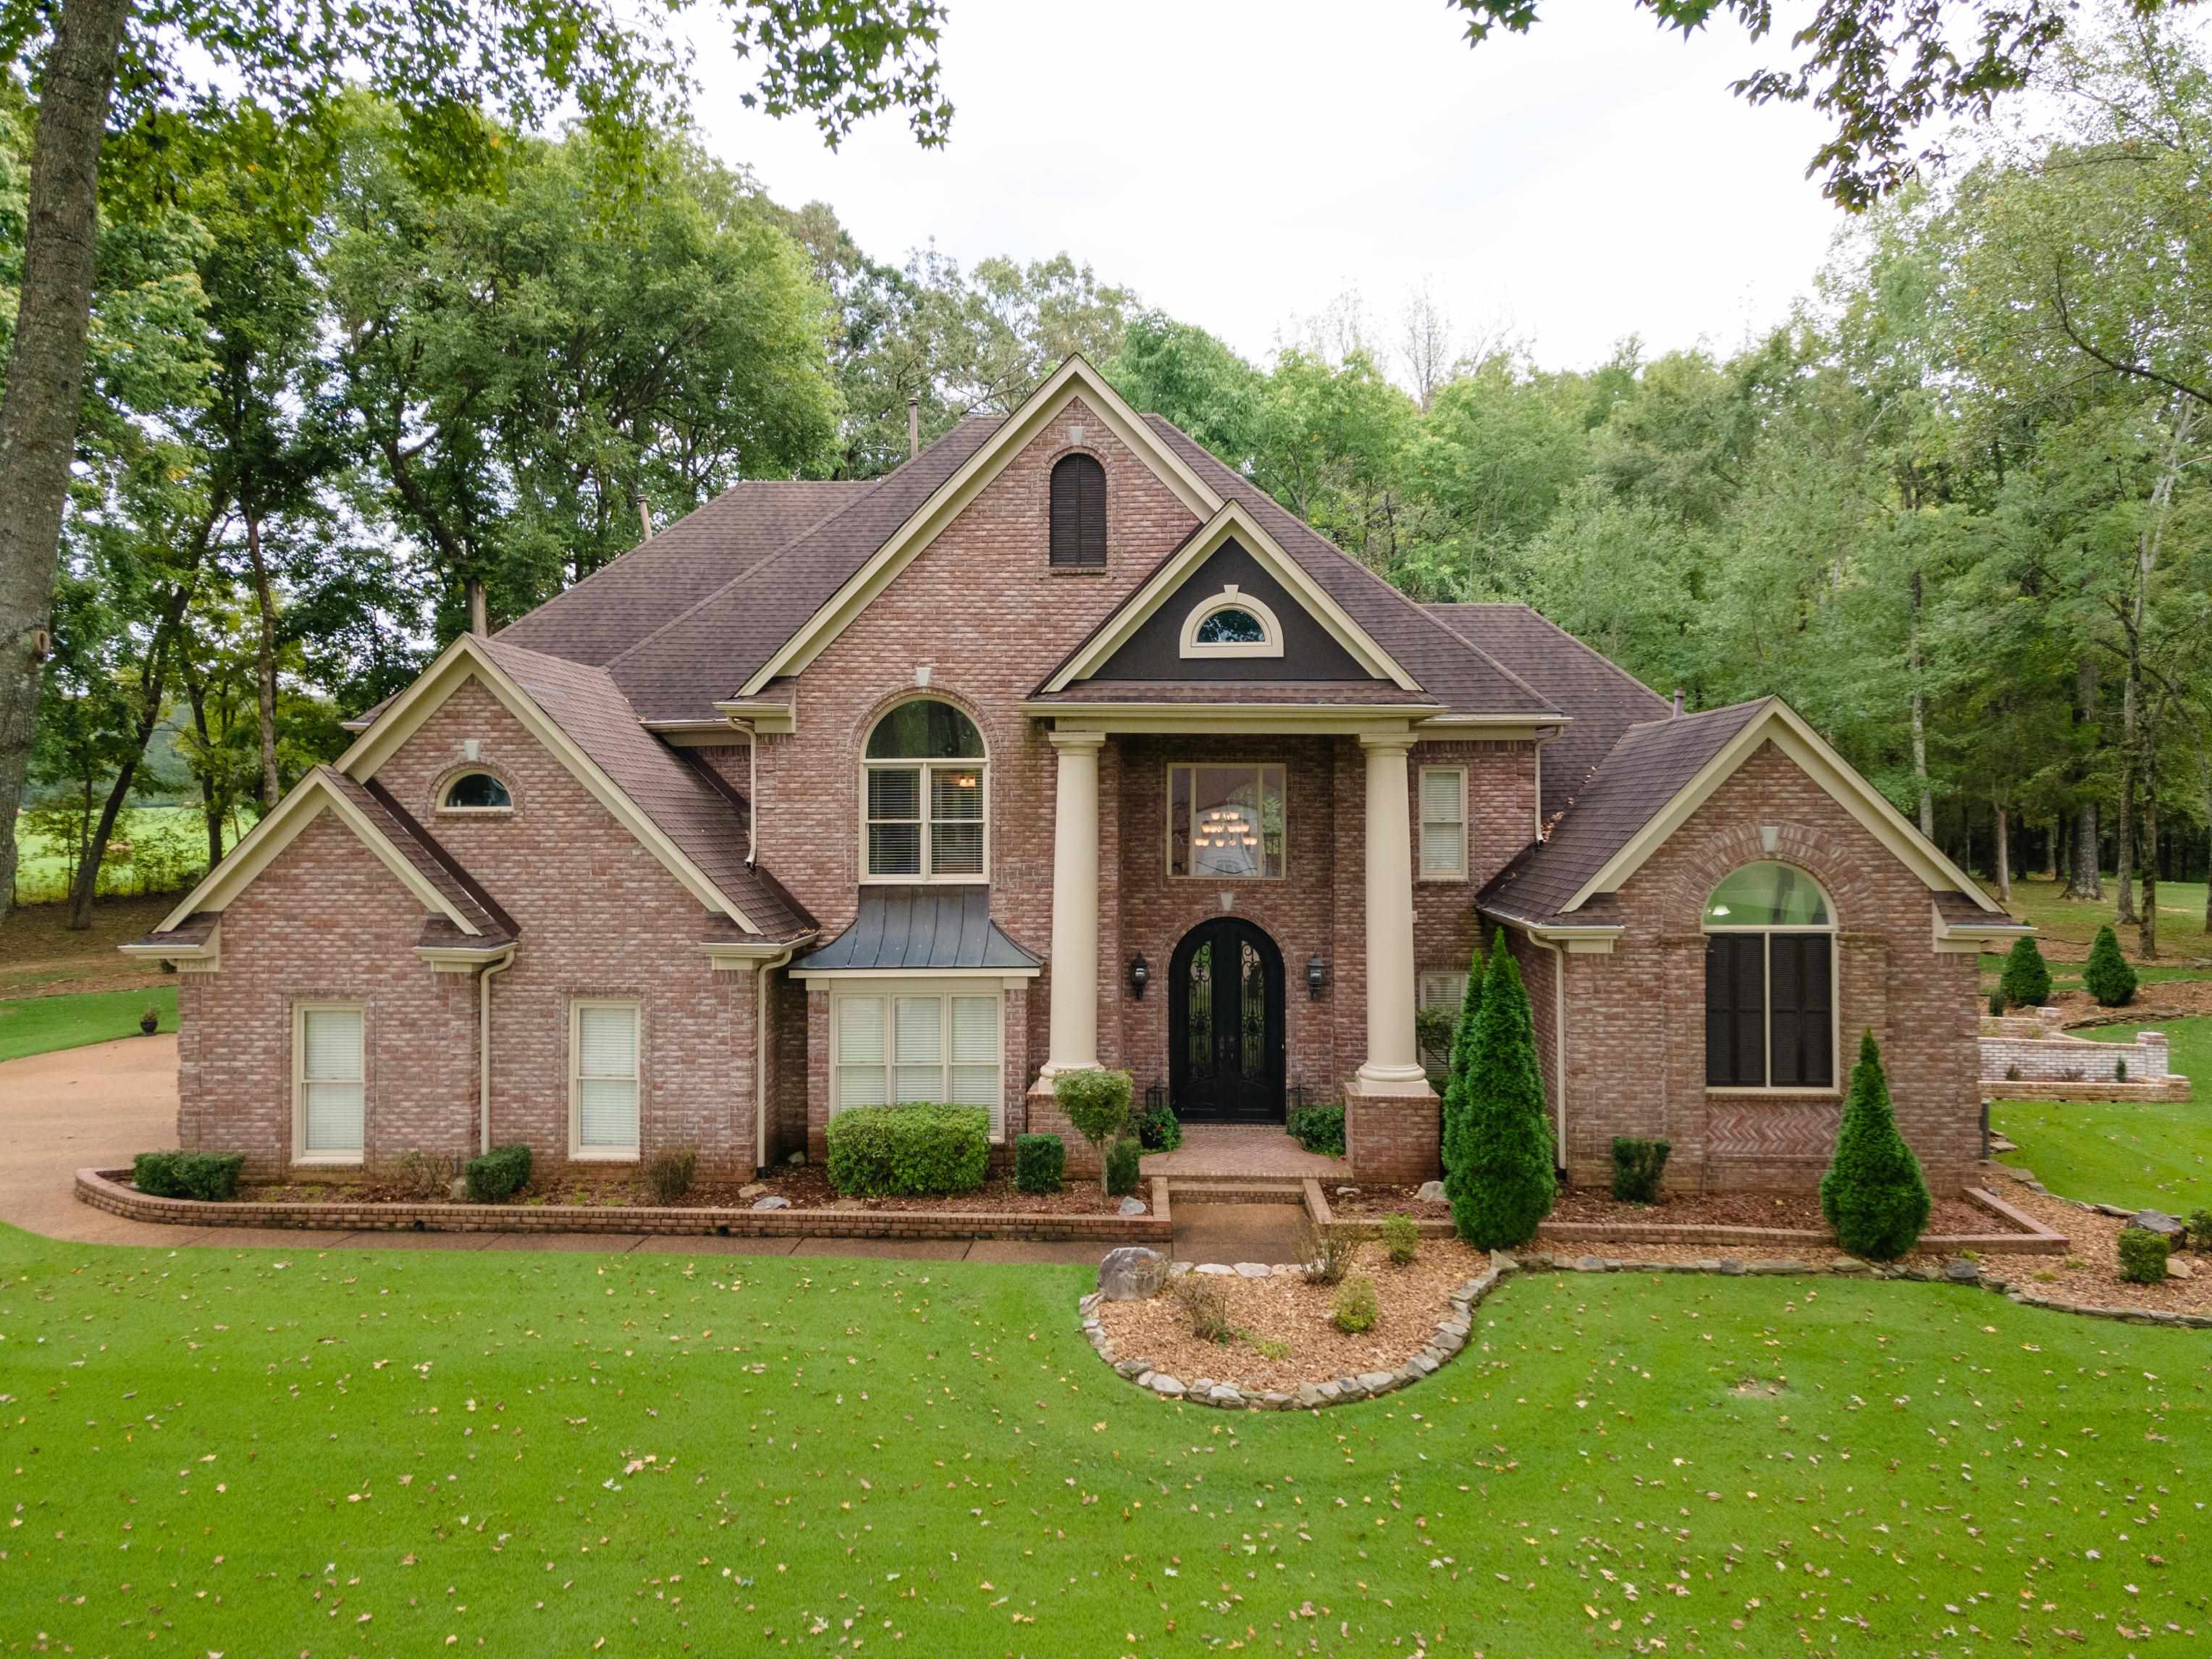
{"x":1368,"y":1202}
{"x":805,"y":1187}
{"x":2090,"y":1273}
{"x":1592,"y":1207}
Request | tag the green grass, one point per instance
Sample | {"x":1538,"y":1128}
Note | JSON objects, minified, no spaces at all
{"x":174,"y":840}
{"x":2070,"y":925}
{"x":265,"y":1452}
{"x":2142,"y":1153}
{"x":39,"y":1026}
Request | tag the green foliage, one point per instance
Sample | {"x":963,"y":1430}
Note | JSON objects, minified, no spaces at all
{"x":1433,"y":1035}
{"x":1456,"y":1076}
{"x":1040,"y":1163}
{"x":1401,"y":1239}
{"x":1160,"y":1130}
{"x":669,"y":1175}
{"x":1317,"y":1129}
{"x":1124,"y":1156}
{"x":2108,"y":975}
{"x":1873,"y":1193}
{"x":898,"y":1152}
{"x":209,"y":1177}
{"x":1356,"y":1309}
{"x":1498,"y":1170}
{"x":1637,"y":1167}
{"x":2143,"y":1255}
{"x":1997,"y":1003}
{"x":2025,"y":983}
{"x":498,"y":1175}
{"x":1096,"y":1103}
{"x":2199,"y":1230}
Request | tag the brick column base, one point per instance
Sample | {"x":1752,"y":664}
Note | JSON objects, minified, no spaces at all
{"x":1393,"y":1137}
{"x":1047,"y":1119}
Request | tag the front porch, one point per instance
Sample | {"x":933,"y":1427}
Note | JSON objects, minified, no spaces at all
{"x":1242,"y":1152}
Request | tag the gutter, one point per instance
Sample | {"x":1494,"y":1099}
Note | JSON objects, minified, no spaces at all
{"x":483,"y":1046}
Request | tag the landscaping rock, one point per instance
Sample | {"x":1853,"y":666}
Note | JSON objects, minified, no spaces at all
{"x":1378,"y":1382}
{"x":1731,"y":1264}
{"x":2156,"y":1221}
{"x":1349,"y":1387}
{"x":1780,"y":1264}
{"x":771,"y":1202}
{"x":1130,"y":1273}
{"x":1132,"y":1206}
{"x":1431,"y":1191}
{"x":1847,"y":1264}
{"x":1347,"y":1192}
{"x":1254,"y":1270}
{"x":1213,"y":1268}
{"x":457,"y":1189}
{"x":797,"y":1160}
{"x":1310,"y":1395}
{"x":1589,"y":1264}
{"x":1222,"y":1394}
{"x":1959,"y":1271}
{"x":2177,"y":1266}
{"x":751,"y":1189}
{"x":1161,"y":1383}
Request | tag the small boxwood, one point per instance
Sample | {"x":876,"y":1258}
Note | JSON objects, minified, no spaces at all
{"x":2143,"y":1255}
{"x":901,"y":1152}
{"x":1123,"y":1158}
{"x":1636,"y":1167}
{"x":208,"y":1177}
{"x":1356,"y":1309}
{"x":1318,"y":1129}
{"x":1040,"y":1163}
{"x":498,"y":1175}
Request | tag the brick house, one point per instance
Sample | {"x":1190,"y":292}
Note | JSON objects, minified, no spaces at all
{"x":1063,"y":745}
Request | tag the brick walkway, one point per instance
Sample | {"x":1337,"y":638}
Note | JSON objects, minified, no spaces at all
{"x":1231,"y":1150}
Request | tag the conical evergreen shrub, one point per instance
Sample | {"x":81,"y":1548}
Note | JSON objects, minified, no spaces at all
{"x":1873,"y":1194}
{"x":1463,"y":1044}
{"x":2027,"y":981}
{"x":2108,"y":977}
{"x":1498,"y":1170}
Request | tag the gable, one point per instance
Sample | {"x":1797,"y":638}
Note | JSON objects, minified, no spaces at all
{"x":1155,"y":650}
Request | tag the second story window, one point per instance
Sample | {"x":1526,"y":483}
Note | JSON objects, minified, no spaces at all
{"x":1078,"y":511}
{"x":927,"y":806}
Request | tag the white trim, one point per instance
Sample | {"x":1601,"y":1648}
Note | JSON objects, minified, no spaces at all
{"x":888,"y":992}
{"x":466,"y":657}
{"x":203,"y":957}
{"x":300,"y":1155}
{"x":1073,"y":379}
{"x":310,"y":798}
{"x":1231,"y":520}
{"x":461,"y":958}
{"x":743,"y":956}
{"x":1768,"y":930}
{"x":1243,"y":719}
{"x":440,"y":807}
{"x":926,"y":768}
{"x":1972,"y":938}
{"x":1421,"y":871}
{"x":1786,"y":729}
{"x":1269,"y":644}
{"x":1012,"y":976}
{"x":773,"y":716}
{"x":578,"y":1152}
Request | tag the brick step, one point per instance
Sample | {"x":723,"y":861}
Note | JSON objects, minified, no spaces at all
{"x":1255,"y":1189}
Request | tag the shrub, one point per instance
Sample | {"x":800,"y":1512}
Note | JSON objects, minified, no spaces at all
{"x":1401,"y":1239}
{"x":1122,"y":1159}
{"x":1204,"y":1302}
{"x":668,"y":1175}
{"x":898,"y":1152}
{"x":2012,"y":1073}
{"x":1318,"y":1129}
{"x":498,"y":1175}
{"x":1159,"y":1130}
{"x":423,"y":1175}
{"x":1997,"y":1002}
{"x":2143,"y":1255}
{"x":1040,"y":1162}
{"x":1432,"y":1033}
{"x":1873,"y":1193}
{"x":1637,"y":1168}
{"x":1098,"y":1104}
{"x":2119,"y":1071}
{"x":2198,"y":1234}
{"x":1497,"y":1153}
{"x":1356,"y":1309}
{"x":2026,"y":982}
{"x":1457,"y":1073}
{"x":1327,"y":1256}
{"x":208,"y":1177}
{"x":2107,"y":976}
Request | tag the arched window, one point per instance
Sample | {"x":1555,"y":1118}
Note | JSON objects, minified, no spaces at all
{"x":476,"y":791}
{"x":1232,"y":623}
{"x":1078,"y":511}
{"x":1769,"y":982}
{"x":928,"y":814}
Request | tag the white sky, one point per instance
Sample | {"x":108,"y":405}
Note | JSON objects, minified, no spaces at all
{"x":1243,"y":164}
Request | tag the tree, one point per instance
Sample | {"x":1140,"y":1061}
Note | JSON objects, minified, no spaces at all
{"x":1460,"y":1062}
{"x":2106,"y":975}
{"x":1096,"y":1103}
{"x":1873,"y":1193}
{"x":840,"y":60}
{"x":2025,"y":981}
{"x":1498,"y":1170}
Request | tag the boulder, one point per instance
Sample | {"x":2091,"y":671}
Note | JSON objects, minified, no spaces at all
{"x":796,"y":1159}
{"x":1161,"y":1383}
{"x":771,"y":1202}
{"x":1431,"y":1191}
{"x":751,"y":1189}
{"x":1252,"y":1270}
{"x":1130,"y":1273}
{"x":1959,"y":1271}
{"x":1132,"y":1206}
{"x":2177,"y":1266}
{"x":2156,"y":1221}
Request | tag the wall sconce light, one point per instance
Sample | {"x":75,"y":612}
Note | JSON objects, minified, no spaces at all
{"x":1316,"y":975}
{"x":1140,"y":976}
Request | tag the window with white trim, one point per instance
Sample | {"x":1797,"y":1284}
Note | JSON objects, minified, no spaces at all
{"x":896,"y":1048}
{"x":1769,"y":982}
{"x":925,"y":779}
{"x":603,"y":1078}
{"x":1232,"y":623}
{"x":1443,"y":823}
{"x":476,"y":791}
{"x":330,"y":1083}
{"x":1225,"y":823}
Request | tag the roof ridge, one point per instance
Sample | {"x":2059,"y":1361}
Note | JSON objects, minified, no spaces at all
{"x":1694,"y":714}
{"x":1575,"y":639}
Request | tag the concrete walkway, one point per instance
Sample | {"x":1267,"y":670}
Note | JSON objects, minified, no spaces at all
{"x":99,"y":1105}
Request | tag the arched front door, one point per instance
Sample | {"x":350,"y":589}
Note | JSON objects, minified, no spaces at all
{"x":1225,"y":1024}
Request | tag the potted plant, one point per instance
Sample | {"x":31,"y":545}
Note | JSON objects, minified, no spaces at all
{"x":150,"y":1021}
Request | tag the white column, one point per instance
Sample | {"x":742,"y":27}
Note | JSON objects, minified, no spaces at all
{"x":1393,"y":1065}
{"x":1073,"y":1045}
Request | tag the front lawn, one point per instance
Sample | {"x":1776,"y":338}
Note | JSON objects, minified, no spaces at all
{"x":2068,"y":925}
{"x":259,"y":1451}
{"x":37,"y":1025}
{"x":2140,"y":1153}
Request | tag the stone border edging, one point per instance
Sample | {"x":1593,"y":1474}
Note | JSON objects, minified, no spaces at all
{"x":104,"y":1190}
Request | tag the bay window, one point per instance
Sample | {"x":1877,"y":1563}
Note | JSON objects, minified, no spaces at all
{"x":903,"y":1048}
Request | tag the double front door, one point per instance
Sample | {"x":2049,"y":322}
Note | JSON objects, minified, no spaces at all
{"x":1225,"y":1024}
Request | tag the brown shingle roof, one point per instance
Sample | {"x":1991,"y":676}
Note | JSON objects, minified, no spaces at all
{"x":706,"y":823}
{"x":1647,"y":768}
{"x":195,"y":929}
{"x":1604,"y":699}
{"x":1232,"y":694}
{"x":442,"y":870}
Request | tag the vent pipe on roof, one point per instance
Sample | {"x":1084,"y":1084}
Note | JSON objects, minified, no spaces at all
{"x":1678,"y":700}
{"x":479,"y":624}
{"x":644,"y":515}
{"x":913,"y":424}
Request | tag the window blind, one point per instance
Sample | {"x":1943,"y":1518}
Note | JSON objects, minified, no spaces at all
{"x":974,"y":1072}
{"x":919,"y":1072}
{"x":333,"y":1104}
{"x":606,"y":1077}
{"x":1444,"y":821}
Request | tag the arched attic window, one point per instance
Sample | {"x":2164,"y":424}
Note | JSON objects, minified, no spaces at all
{"x":476,"y":791}
{"x":1078,"y":511}
{"x":925,"y":783}
{"x":1769,"y":982}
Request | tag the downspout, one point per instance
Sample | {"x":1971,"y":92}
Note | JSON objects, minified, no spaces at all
{"x":483,"y":1048}
{"x":752,"y":729}
{"x":760,"y":1059}
{"x":1559,"y":1043}
{"x":1537,"y":748}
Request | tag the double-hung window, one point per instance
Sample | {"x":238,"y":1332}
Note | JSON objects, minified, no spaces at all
{"x":898,"y":1048}
{"x":927,"y":802}
{"x":1769,"y":982}
{"x":602,"y":1078}
{"x":330,"y":1083}
{"x":1443,"y":823}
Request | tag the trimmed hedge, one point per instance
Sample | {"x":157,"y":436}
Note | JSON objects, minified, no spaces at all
{"x":498,"y":1176}
{"x":1096,"y":1103}
{"x":2106,"y":976}
{"x":208,"y":1177}
{"x":1318,"y":1129}
{"x":1121,"y":1163}
{"x":2026,"y":982}
{"x":2143,"y":1255}
{"x":1873,"y":1194}
{"x":1636,"y":1167}
{"x":1040,"y":1163}
{"x":901,"y":1151}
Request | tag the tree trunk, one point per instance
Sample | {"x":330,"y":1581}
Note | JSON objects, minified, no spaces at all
{"x":2123,"y":835}
{"x":2004,"y":859}
{"x":2085,"y":882}
{"x":265,"y":675}
{"x":2205,"y":785}
{"x":1920,"y":723}
{"x":44,"y":377}
{"x":210,"y":803}
{"x":2147,"y":936}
